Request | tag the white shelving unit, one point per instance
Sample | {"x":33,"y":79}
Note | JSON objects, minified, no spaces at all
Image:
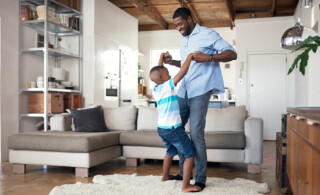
{"x":55,"y":30}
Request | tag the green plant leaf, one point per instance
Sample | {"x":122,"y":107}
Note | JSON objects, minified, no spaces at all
{"x":294,"y":64}
{"x":311,"y":43}
{"x":304,"y":61}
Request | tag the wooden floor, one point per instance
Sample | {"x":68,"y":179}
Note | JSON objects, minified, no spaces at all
{"x":41,"y":179}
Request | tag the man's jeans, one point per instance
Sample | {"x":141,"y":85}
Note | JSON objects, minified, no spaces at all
{"x":196,"y":109}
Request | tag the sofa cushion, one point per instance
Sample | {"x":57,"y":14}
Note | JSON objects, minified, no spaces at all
{"x":147,"y":118}
{"x":226,"y":119}
{"x":225,"y":140}
{"x":121,"y":118}
{"x":63,"y":141}
{"x":214,"y":140}
{"x":141,"y":138}
{"x":89,"y":120}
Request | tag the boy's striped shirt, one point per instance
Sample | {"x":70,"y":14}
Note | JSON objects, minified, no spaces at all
{"x":167,"y":104}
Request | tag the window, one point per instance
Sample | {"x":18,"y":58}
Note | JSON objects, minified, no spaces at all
{"x":154,"y":59}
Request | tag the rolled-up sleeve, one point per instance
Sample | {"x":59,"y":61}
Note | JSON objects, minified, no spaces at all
{"x":218,"y":43}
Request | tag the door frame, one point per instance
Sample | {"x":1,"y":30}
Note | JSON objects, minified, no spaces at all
{"x":249,"y":79}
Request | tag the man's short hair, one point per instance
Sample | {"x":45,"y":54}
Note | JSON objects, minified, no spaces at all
{"x":156,"y":68}
{"x":182,"y":12}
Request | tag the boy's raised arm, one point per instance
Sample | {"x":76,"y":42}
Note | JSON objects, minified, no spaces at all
{"x":184,"y":69}
{"x":162,"y":55}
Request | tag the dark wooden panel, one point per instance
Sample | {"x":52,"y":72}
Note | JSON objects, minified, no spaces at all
{"x":303,"y":156}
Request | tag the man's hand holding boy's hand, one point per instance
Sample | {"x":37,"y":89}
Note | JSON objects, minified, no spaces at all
{"x":167,"y":58}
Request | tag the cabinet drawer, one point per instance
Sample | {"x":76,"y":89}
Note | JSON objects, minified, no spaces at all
{"x":314,"y":135}
{"x":302,"y":127}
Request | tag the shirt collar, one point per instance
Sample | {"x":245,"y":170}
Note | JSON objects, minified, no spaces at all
{"x":196,"y":30}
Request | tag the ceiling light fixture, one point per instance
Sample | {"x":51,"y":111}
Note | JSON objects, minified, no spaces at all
{"x":307,"y":3}
{"x":292,"y":37}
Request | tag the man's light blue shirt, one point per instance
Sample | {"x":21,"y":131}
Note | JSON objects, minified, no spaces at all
{"x":205,"y":76}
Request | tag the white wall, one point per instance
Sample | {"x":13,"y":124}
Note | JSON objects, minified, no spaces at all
{"x":155,"y":40}
{"x":88,"y":52}
{"x":0,"y":87}
{"x":171,"y":39}
{"x":260,"y":35}
{"x":307,"y":87}
{"x":107,"y":28}
{"x":9,"y":73}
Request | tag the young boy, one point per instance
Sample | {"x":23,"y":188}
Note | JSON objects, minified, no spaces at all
{"x":169,"y":121}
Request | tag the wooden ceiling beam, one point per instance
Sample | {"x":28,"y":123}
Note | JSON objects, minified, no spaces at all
{"x":189,"y":2}
{"x":154,"y":27}
{"x":231,"y":12}
{"x":273,"y":8}
{"x":289,"y":10}
{"x":213,"y":24}
{"x":151,"y":12}
{"x":193,"y":11}
{"x":257,"y":15}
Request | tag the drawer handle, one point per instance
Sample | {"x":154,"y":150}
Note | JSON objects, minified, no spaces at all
{"x":299,"y":118}
{"x":311,"y":122}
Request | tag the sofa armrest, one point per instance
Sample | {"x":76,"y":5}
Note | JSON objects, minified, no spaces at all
{"x":253,"y":130}
{"x":61,"y":122}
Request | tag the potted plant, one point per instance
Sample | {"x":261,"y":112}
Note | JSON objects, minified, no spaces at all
{"x":309,"y":44}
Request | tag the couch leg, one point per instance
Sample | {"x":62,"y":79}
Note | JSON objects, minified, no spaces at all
{"x":131,"y":162}
{"x":82,"y":172}
{"x":254,"y":168}
{"x":19,"y":168}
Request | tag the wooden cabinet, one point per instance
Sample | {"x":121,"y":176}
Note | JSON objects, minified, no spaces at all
{"x":303,"y":150}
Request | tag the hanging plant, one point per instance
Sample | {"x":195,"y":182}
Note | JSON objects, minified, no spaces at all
{"x":309,"y":44}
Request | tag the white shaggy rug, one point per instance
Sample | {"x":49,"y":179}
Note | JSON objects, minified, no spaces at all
{"x":147,"y":185}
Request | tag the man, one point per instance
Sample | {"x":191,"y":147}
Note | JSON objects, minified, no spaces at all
{"x":203,"y":79}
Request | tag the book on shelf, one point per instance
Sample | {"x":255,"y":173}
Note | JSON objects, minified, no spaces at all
{"x":69,"y":21}
{"x":27,"y":13}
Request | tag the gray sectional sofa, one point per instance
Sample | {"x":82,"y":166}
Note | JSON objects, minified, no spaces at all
{"x":231,"y":136}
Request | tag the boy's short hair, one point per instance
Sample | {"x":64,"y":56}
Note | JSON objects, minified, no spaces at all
{"x":156,"y":68}
{"x":182,"y":12}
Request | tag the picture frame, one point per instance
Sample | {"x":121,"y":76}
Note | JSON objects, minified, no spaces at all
{"x":40,"y":40}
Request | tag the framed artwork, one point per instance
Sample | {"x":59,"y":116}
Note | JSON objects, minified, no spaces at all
{"x":40,"y":40}
{"x":227,"y":66}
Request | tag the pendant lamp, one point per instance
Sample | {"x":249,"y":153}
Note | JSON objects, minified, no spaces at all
{"x":292,"y":37}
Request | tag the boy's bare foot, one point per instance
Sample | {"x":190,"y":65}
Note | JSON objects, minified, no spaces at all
{"x":191,"y":188}
{"x":165,"y":178}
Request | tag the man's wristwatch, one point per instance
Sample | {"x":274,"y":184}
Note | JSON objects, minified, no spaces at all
{"x":211,"y":58}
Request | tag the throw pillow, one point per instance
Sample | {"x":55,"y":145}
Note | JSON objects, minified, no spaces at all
{"x":226,"y":119}
{"x":89,"y":120}
{"x":122,"y":118}
{"x":72,"y":123}
{"x":147,"y":118}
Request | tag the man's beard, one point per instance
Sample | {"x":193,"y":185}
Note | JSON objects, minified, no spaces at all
{"x":187,"y":31}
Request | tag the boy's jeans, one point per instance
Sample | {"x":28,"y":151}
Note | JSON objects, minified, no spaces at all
{"x":196,"y":108}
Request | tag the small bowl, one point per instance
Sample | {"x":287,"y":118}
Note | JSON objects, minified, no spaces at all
{"x":66,"y":83}
{"x":60,"y":87}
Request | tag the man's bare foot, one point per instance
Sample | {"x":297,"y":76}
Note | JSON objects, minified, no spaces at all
{"x":165,"y":178}
{"x":191,"y":188}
